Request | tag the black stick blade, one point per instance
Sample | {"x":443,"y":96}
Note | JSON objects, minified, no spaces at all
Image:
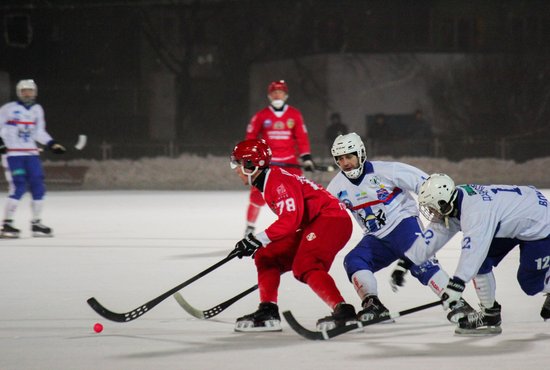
{"x":115,"y":316}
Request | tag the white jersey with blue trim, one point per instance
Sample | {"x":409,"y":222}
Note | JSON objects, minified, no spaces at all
{"x":381,"y":197}
{"x":21,"y":127}
{"x":487,"y":212}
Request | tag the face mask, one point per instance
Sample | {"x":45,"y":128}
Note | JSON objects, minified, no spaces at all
{"x":277,"y":103}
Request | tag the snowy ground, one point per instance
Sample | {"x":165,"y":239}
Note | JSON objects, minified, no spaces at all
{"x":127,"y":247}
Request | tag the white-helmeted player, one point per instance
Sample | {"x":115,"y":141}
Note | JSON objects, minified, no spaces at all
{"x":379,"y":194}
{"x":494,"y":219}
{"x":22,"y":125}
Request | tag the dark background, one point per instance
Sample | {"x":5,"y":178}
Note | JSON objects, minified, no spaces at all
{"x":92,"y":61}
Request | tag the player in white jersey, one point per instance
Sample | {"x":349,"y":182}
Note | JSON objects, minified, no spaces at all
{"x":494,"y":219}
{"x":22,"y":125}
{"x":379,"y":195}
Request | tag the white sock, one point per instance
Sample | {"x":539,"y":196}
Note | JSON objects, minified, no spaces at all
{"x":486,"y":287}
{"x":365,"y":283}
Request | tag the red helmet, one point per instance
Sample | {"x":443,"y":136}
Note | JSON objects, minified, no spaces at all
{"x":251,"y":153}
{"x":277,"y":85}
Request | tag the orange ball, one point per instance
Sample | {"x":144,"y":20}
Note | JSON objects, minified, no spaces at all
{"x":98,"y":328}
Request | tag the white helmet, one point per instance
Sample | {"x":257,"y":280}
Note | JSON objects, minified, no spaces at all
{"x":348,"y":144}
{"x":26,"y":84}
{"x":436,"y":197}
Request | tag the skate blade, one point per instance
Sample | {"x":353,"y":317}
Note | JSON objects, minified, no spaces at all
{"x":9,"y":236}
{"x":491,"y":330}
{"x":248,"y":326}
{"x":41,"y":235}
{"x":369,"y":318}
{"x":329,"y":325}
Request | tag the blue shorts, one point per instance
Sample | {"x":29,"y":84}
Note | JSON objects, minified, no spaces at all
{"x":534,"y":261}
{"x":26,"y":172}
{"x":374,"y":253}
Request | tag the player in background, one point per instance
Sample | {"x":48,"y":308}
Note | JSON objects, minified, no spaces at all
{"x":282,"y":127}
{"x":379,"y":195}
{"x":494,"y":219}
{"x":22,"y":125}
{"x":312,"y":226}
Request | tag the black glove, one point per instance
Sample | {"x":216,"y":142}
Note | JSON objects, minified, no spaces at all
{"x":56,"y":148}
{"x":398,"y":275}
{"x":3,"y":147}
{"x":452,"y":293}
{"x":307,"y":163}
{"x":247,"y":247}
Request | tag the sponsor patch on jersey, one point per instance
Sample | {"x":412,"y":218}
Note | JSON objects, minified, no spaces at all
{"x":290,"y":123}
{"x":310,"y":236}
{"x":279,"y":125}
{"x":268,"y":123}
{"x":342,"y":194}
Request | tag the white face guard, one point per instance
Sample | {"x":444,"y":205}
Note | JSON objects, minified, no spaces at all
{"x":234,"y":163}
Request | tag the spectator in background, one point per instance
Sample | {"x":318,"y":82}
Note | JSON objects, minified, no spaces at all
{"x":421,"y":129}
{"x":336,"y":128}
{"x":379,"y":129}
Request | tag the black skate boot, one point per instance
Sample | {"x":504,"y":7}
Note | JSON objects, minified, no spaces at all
{"x":266,"y":318}
{"x":8,"y":231}
{"x":39,"y":230}
{"x":545,"y":311}
{"x":460,"y":309}
{"x":373,"y":309}
{"x":485,"y":322}
{"x":343,"y":314}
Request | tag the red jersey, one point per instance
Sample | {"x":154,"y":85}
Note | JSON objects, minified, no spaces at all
{"x":284,"y":132}
{"x":297,"y":201}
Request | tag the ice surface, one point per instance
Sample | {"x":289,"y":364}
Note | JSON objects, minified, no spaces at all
{"x":127,"y":247}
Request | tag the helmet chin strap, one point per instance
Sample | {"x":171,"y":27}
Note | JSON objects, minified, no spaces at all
{"x":249,"y":175}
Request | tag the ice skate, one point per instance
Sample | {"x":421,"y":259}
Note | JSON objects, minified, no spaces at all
{"x":39,"y":230}
{"x":344,"y":314}
{"x":460,"y":309}
{"x":266,"y":318}
{"x":545,"y":311}
{"x":373,"y":309}
{"x":8,"y":231}
{"x":485,"y":322}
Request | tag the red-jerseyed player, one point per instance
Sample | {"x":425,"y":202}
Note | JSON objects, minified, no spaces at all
{"x":282,"y":127}
{"x":312,"y":226}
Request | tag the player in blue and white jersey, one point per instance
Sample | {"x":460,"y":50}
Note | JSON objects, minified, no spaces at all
{"x":22,"y":125}
{"x":494,"y":219}
{"x":379,"y":195}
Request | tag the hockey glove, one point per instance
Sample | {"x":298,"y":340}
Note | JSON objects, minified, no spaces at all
{"x":247,"y":247}
{"x":307,"y":163}
{"x":3,"y":147}
{"x":56,"y":148}
{"x":398,"y":275}
{"x":452,"y":293}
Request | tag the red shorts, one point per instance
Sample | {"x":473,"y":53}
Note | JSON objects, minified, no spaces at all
{"x":312,"y":248}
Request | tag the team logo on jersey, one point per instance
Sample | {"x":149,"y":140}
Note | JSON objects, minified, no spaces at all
{"x":268,"y":123}
{"x":374,"y":181}
{"x":279,"y":125}
{"x":290,"y":123}
{"x":281,"y":191}
{"x":310,"y":236}
{"x":382,"y":193}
